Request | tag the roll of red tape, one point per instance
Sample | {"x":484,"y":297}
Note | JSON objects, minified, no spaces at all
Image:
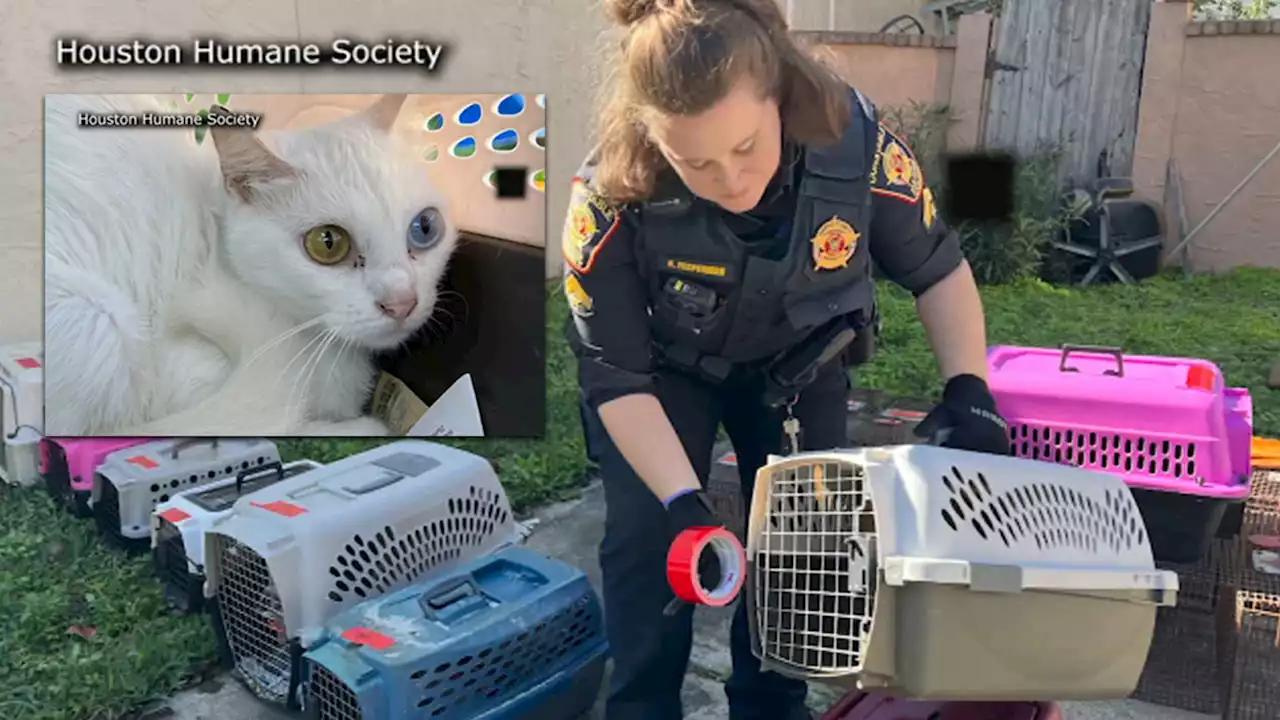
{"x":682,"y":566}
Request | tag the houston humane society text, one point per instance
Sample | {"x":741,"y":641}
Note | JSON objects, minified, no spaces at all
{"x":246,"y":120}
{"x":340,"y":52}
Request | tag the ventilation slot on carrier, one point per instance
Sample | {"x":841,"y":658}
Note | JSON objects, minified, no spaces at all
{"x":1131,"y":454}
{"x":814,"y":575}
{"x":162,"y":491}
{"x":1050,"y":515}
{"x":372,"y":566}
{"x":254,"y":617}
{"x":330,"y":698}
{"x":506,"y":668}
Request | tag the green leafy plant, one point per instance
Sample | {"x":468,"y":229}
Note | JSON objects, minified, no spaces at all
{"x":223,"y":99}
{"x":924,"y":127}
{"x":998,"y":252}
{"x":1235,"y":9}
{"x":1016,"y":248}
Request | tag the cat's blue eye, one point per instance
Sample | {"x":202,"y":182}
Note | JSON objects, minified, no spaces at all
{"x":426,"y":229}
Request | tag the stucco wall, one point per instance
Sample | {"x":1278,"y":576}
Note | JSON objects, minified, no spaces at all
{"x":853,"y":15}
{"x":1210,"y":101}
{"x":889,"y":69}
{"x":1228,"y":120}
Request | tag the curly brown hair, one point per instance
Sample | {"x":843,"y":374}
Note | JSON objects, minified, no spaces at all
{"x":680,"y":57}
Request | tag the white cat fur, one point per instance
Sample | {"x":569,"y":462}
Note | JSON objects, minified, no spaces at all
{"x":170,"y":298}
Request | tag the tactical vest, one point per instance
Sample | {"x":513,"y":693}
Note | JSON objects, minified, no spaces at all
{"x":759,"y":307}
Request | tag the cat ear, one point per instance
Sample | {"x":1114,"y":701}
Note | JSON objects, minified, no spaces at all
{"x":382,"y":114}
{"x":245,"y":161}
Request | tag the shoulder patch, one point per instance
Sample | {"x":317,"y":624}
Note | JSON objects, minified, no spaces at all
{"x":591,"y":221}
{"x":895,"y":172}
{"x":930,"y":210}
{"x":580,"y":303}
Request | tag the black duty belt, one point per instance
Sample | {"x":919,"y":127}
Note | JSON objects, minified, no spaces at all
{"x":790,"y":371}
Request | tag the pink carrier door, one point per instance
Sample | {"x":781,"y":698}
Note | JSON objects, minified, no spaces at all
{"x":90,"y":453}
{"x":71,"y":464}
{"x":877,"y":706}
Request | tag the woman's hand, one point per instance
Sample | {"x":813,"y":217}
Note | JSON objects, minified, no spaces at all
{"x":967,"y":418}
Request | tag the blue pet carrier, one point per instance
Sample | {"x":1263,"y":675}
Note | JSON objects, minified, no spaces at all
{"x":509,"y":635}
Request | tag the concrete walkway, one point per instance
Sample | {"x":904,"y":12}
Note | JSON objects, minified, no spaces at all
{"x":571,"y":532}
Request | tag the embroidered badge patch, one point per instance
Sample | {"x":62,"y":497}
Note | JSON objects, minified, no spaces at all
{"x":579,"y":301}
{"x":833,"y":245}
{"x":590,"y":223}
{"x":895,"y":171}
{"x":930,"y":210}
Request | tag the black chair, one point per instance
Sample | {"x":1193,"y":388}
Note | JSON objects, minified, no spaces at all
{"x":1125,"y":227}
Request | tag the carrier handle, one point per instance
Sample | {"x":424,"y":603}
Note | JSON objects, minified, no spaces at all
{"x":274,"y":466}
{"x":13,"y":400}
{"x":1115,"y":352}
{"x":191,"y":442}
{"x":456,"y":597}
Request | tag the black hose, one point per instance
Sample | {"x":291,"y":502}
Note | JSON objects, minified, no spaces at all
{"x":911,"y":20}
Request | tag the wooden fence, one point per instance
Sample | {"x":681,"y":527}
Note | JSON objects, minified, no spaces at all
{"x":1067,"y":73}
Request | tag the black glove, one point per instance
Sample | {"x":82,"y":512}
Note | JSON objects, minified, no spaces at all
{"x":967,"y":418}
{"x":692,"y":510}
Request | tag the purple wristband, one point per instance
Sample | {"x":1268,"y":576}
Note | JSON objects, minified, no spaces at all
{"x":666,"y":504}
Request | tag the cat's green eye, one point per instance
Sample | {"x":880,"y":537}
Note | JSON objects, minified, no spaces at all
{"x":327,"y":244}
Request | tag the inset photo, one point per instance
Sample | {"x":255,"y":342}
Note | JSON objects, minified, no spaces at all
{"x":295,"y":265}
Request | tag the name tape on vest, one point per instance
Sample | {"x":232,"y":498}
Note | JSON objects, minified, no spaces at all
{"x":698,"y":268}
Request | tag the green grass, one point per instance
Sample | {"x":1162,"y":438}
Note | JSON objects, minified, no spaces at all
{"x":55,"y":574}
{"x":1231,"y":319}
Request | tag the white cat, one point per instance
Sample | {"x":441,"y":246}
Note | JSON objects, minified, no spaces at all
{"x":239,"y":287}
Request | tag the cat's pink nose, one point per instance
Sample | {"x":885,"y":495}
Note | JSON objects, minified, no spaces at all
{"x":398,"y":305}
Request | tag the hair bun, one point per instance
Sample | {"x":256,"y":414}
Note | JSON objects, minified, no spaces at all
{"x":629,"y":12}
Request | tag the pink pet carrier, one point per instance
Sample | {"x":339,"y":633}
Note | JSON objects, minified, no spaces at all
{"x":875,"y":706}
{"x":68,"y":465}
{"x":1168,"y":426}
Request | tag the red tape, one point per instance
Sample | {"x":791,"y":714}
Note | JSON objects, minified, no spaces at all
{"x":682,"y":566}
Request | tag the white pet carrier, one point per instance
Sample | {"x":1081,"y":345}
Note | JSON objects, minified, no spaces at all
{"x":132,"y":481}
{"x":943,"y":574}
{"x":285,"y":561}
{"x":21,"y":412}
{"x":178,"y":527}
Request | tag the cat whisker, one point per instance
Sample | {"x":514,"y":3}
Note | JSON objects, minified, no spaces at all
{"x":444,"y":311}
{"x":281,"y":338}
{"x":319,"y":337}
{"x":444,"y":294}
{"x":302,"y":383}
{"x":434,"y":327}
{"x":346,"y":343}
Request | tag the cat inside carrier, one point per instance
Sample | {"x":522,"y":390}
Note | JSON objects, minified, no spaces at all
{"x":287,"y":559}
{"x":132,"y":481}
{"x":21,"y":412}
{"x":179,"y":526}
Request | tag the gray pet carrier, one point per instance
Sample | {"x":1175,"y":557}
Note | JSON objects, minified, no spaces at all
{"x":286,"y":560}
{"x":132,"y":481}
